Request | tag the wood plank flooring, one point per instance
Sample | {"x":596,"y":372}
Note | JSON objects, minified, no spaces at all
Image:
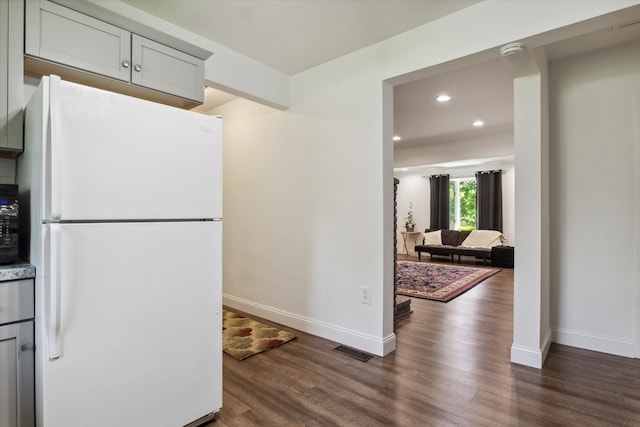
{"x":451,"y":367}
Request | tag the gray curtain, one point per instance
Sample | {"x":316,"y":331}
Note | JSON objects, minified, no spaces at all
{"x":489,"y":200}
{"x":439,"y":185}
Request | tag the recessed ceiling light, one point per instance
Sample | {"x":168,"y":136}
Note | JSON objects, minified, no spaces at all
{"x":478,"y":123}
{"x":397,"y":138}
{"x":443,"y":98}
{"x":404,"y":169}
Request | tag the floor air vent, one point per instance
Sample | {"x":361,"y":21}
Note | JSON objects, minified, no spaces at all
{"x":352,"y":352}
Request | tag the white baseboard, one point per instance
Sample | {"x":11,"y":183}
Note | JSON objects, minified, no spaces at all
{"x":602,"y":344}
{"x":533,"y":357}
{"x":348,"y":337}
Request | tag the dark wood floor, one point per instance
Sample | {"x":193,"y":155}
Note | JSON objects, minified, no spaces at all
{"x":451,"y":367}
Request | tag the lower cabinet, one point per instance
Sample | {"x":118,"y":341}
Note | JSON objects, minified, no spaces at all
{"x":11,"y":77}
{"x":17,"y":407}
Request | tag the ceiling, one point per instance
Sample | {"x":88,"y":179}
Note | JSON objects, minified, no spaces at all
{"x":292,"y":36}
{"x":480,"y":92}
{"x":328,"y":29}
{"x":483,"y":91}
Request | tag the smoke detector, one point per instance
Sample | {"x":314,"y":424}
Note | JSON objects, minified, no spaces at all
{"x":511,"y":49}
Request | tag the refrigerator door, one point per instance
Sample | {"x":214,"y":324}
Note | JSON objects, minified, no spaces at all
{"x":139,"y":324}
{"x":114,"y":157}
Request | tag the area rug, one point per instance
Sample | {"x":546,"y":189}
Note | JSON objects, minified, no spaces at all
{"x":243,"y":337}
{"x":439,"y":282}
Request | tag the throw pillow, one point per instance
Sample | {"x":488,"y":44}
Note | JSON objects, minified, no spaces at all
{"x":433,"y":238}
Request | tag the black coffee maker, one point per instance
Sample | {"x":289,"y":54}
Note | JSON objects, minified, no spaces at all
{"x":9,"y":215}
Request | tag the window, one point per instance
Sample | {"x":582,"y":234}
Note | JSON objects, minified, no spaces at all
{"x":462,"y":204}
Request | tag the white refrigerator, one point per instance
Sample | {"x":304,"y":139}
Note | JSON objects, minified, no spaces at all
{"x":124,"y":205}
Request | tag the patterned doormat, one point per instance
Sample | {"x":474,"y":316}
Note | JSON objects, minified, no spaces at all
{"x":243,"y":337}
{"x":439,"y":282}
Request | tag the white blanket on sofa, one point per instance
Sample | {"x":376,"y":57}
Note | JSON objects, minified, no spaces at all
{"x":483,"y":239}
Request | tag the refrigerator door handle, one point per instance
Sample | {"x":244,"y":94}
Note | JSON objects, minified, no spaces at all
{"x":53,"y":303}
{"x":55,"y":158}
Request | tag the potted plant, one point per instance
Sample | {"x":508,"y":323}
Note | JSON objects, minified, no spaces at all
{"x":409,"y":225}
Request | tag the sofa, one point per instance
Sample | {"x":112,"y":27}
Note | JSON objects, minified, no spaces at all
{"x":475,"y":243}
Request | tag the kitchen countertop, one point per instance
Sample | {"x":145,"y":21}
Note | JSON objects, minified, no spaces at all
{"x":16,"y":271}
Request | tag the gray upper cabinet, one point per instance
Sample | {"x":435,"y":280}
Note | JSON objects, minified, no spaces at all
{"x":11,"y":77}
{"x":64,"y":37}
{"x":162,"y":68}
{"x":61,"y":35}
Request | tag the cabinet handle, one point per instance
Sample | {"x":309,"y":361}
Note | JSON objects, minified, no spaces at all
{"x":26,"y":347}
{"x":137,"y":67}
{"x":125,"y":64}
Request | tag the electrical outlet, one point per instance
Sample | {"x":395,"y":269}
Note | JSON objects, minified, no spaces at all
{"x":365,"y":296}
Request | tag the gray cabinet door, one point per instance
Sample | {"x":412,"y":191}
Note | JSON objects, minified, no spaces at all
{"x":159,"y":67}
{"x":17,"y":374}
{"x":64,"y":36}
{"x":11,"y":75}
{"x":58,"y":35}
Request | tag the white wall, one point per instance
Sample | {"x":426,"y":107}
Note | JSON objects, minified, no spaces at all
{"x":531,"y":329}
{"x":304,"y":211}
{"x":307,"y":190}
{"x":413,"y":188}
{"x":488,"y":146}
{"x":592,"y":199}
